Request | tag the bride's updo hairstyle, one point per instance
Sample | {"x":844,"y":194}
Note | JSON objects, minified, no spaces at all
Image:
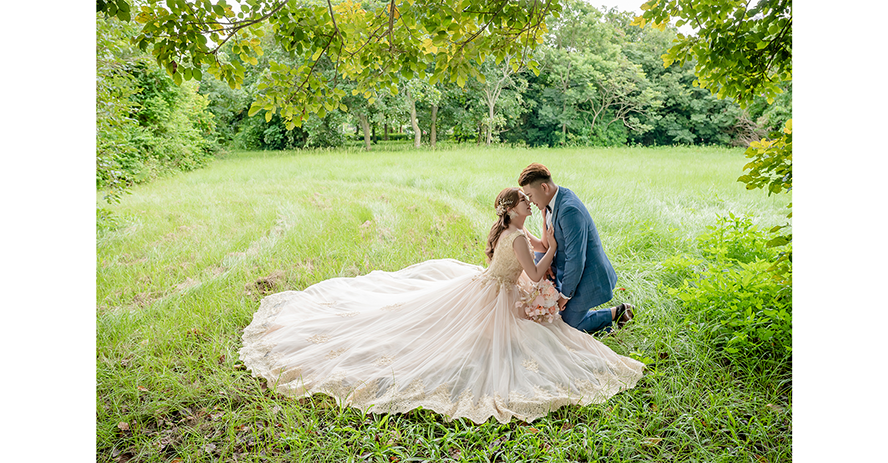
{"x":505,"y":200}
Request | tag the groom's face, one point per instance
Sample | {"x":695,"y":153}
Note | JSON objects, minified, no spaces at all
{"x":540,"y":194}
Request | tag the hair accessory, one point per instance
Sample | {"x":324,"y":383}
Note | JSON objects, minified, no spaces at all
{"x":502,"y":205}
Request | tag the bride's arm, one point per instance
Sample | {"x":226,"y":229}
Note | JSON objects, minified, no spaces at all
{"x":537,"y":271}
{"x":538,"y":245}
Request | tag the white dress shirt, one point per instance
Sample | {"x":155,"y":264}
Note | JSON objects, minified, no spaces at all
{"x":551,"y":206}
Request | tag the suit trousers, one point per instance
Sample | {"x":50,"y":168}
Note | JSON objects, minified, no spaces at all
{"x":584,"y":318}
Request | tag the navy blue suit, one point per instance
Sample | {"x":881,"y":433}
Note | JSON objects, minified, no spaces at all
{"x":582,"y":270}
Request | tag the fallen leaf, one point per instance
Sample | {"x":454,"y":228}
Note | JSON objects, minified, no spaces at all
{"x":760,"y":458}
{"x":533,"y":430}
{"x":651,"y":441}
{"x":776,"y":408}
{"x":123,"y":426}
{"x":143,"y":388}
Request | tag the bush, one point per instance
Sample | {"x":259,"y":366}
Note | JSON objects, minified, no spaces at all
{"x":735,"y":238}
{"x":734,"y":302}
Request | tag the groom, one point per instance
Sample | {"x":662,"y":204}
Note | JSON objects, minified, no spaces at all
{"x":583,"y":273}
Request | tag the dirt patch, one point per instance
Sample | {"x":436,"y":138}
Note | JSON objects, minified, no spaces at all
{"x":146,"y":298}
{"x":320,"y":202}
{"x":189,"y":282}
{"x":266,"y":285}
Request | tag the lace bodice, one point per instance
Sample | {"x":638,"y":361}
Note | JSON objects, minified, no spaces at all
{"x":504,"y":267}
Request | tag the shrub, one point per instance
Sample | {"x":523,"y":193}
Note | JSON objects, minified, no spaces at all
{"x":734,"y":302}
{"x":735,"y":238}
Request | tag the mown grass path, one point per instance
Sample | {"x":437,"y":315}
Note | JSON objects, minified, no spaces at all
{"x":182,"y":276}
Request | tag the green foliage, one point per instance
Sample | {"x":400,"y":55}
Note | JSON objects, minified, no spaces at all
{"x":734,"y":303}
{"x":771,"y":165}
{"x":145,"y":124}
{"x":771,"y":168}
{"x":115,"y":88}
{"x":734,"y":238}
{"x":175,"y":131}
{"x":602,"y":83}
{"x":373,"y":44}
{"x":740,"y":52}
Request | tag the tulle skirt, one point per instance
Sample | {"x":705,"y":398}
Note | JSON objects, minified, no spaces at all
{"x":441,"y":335}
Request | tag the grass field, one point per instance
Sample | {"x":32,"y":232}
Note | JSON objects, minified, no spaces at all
{"x":181,"y":276}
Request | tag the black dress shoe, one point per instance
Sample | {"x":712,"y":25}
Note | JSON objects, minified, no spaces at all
{"x":622,"y":309}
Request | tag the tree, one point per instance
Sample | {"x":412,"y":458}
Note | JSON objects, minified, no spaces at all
{"x":416,"y":90}
{"x":373,"y":43}
{"x":619,"y":91}
{"x":500,"y":79}
{"x":741,"y":53}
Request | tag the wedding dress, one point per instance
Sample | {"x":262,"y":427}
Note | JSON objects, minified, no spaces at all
{"x":442,"y":335}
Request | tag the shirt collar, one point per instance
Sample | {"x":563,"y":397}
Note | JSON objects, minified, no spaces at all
{"x":554,"y":197}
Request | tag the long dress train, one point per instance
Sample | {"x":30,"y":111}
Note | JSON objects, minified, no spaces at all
{"x":442,"y":334}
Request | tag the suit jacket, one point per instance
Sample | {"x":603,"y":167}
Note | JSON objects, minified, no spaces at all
{"x":582,"y":270}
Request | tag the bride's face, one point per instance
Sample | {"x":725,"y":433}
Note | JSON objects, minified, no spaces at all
{"x":523,"y":206}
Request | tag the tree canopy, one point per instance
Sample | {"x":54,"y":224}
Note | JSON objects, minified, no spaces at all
{"x":740,"y":52}
{"x":373,"y":43}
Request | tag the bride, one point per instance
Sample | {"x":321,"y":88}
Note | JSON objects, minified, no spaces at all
{"x":442,"y":335}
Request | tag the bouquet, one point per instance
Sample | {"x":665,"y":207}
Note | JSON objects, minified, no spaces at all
{"x":541,"y":302}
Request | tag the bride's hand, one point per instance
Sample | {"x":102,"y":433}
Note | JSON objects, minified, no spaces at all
{"x":550,"y":237}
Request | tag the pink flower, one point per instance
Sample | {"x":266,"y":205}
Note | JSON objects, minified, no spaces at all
{"x":549,"y":291}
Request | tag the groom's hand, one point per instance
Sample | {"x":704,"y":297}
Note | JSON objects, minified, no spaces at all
{"x":561,"y":303}
{"x":550,"y":275}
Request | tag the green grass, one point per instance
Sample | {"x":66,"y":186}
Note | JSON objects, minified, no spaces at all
{"x":182,"y":275}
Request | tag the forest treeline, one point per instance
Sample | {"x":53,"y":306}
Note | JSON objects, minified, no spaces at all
{"x":600,"y":82}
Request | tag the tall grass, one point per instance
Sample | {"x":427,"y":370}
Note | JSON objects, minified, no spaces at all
{"x":181,"y":276}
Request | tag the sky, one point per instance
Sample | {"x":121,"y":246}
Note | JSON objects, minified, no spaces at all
{"x":631,"y":5}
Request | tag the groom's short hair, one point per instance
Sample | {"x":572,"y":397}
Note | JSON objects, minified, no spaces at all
{"x":534,"y":173}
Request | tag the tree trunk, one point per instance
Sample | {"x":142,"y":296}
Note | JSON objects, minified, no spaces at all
{"x":480,"y":134}
{"x":374,"y":134}
{"x":417,"y":135}
{"x":385,"y":135}
{"x":433,"y":134}
{"x":365,"y":124}
{"x":564,"y":84}
{"x":490,"y":126}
